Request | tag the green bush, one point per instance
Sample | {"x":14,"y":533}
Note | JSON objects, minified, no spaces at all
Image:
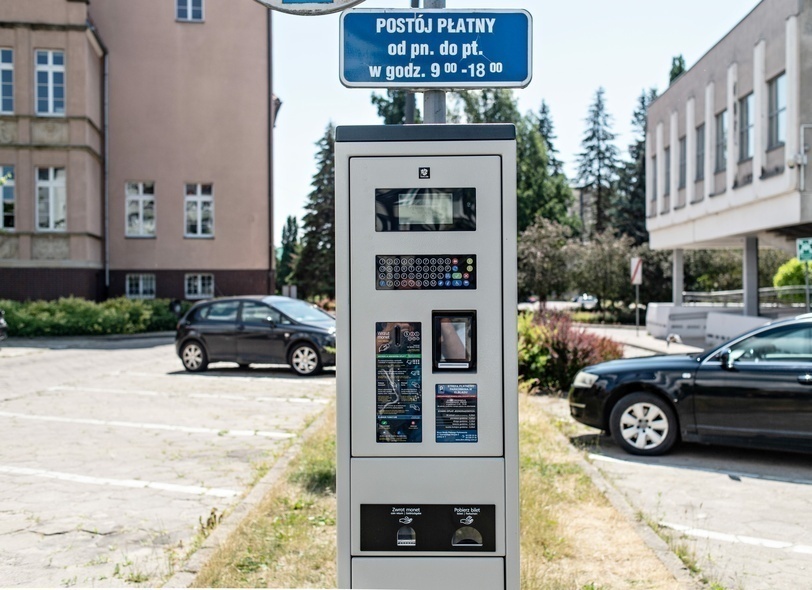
{"x":552,"y":351}
{"x":71,"y":316}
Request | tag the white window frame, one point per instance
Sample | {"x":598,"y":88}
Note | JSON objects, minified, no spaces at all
{"x":56,"y":107}
{"x":777,"y":117}
{"x":6,"y":88}
{"x":746,"y":128}
{"x":8,"y":187}
{"x":198,"y":195}
{"x":53,"y":186}
{"x":188,"y":6}
{"x":134,"y":192}
{"x":144,"y":286}
{"x":198,"y":286}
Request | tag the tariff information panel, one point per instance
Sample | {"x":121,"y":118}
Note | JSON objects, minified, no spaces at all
{"x":456,"y":413}
{"x":398,"y":366}
{"x":435,"y":48}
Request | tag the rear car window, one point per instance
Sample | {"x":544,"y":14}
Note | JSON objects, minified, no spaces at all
{"x":222,"y":311}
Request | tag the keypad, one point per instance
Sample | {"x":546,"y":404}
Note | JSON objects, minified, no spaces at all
{"x":399,"y":272}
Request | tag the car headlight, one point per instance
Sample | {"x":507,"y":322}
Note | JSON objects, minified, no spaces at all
{"x":584,"y":379}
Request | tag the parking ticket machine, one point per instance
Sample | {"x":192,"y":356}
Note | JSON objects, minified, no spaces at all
{"x":427,"y":357}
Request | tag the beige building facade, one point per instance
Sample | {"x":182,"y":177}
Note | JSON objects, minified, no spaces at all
{"x":135,"y":139}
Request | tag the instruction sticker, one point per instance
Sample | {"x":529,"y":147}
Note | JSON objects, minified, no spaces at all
{"x":456,"y":413}
{"x":399,"y":390}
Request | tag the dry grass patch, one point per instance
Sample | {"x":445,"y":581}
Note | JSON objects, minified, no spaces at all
{"x":572,"y":538}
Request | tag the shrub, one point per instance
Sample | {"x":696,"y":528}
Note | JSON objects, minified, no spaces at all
{"x":71,"y":316}
{"x":552,"y":351}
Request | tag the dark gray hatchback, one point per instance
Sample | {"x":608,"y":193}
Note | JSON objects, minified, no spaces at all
{"x":257,"y":329}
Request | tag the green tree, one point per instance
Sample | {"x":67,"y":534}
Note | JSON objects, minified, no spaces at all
{"x":790,"y":274}
{"x":629,"y":209}
{"x":289,"y":253}
{"x":542,"y":258}
{"x":538,"y":192}
{"x":315,"y":270}
{"x":600,"y":266}
{"x":547,"y":130}
{"x":677,"y":68}
{"x":392,"y":107}
{"x":598,"y":163}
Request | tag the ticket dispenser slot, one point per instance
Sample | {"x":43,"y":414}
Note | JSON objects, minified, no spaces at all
{"x":427,"y":479}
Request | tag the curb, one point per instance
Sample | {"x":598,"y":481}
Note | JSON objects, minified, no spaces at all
{"x":188,"y":571}
{"x":619,"y":502}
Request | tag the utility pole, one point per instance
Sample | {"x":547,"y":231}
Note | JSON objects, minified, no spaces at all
{"x":434,"y":100}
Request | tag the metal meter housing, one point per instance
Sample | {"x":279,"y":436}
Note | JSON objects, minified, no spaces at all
{"x":427,"y":419}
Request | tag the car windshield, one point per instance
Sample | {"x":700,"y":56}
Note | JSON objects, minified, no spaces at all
{"x":302,"y":311}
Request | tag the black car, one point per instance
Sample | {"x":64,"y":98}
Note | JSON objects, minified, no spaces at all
{"x":262,"y":329}
{"x":754,"y":391}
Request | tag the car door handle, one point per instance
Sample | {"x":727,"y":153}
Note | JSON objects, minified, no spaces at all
{"x":805,"y":379}
{"x":241,"y":328}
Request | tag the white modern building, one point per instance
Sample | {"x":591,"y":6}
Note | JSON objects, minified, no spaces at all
{"x":728,"y":144}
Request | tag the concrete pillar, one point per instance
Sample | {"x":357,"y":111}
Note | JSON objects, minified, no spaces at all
{"x":678,"y":281}
{"x":750,"y":277}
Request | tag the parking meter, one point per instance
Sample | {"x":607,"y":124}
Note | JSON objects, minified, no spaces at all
{"x":427,"y":419}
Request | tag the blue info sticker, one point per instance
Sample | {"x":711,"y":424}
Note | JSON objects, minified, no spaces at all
{"x":456,"y":414}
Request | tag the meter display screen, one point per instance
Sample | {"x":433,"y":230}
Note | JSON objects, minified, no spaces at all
{"x":425,"y":209}
{"x":454,"y":340}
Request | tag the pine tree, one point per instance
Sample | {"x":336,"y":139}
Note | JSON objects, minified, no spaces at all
{"x":598,"y":163}
{"x":315,"y":270}
{"x":289,"y":251}
{"x":629,"y":211}
{"x":677,"y":68}
{"x":545,"y":127}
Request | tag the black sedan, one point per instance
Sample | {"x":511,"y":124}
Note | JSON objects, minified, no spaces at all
{"x":754,"y":391}
{"x":261,"y":329}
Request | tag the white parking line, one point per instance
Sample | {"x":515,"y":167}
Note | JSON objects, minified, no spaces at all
{"x":225,"y":396}
{"x":150,"y":426}
{"x":230,"y":377}
{"x":123,"y":483}
{"x":727,"y":538}
{"x":727,"y":472}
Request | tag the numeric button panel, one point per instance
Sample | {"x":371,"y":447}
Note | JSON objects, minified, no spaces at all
{"x":407,"y":272}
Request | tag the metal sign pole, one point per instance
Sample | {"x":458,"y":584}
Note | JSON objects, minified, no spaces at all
{"x":434,"y":101}
{"x":806,"y":282}
{"x":637,"y":309}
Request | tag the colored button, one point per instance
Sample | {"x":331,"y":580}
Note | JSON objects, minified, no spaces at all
{"x":448,"y":275}
{"x":382,"y":283}
{"x":465,"y":275}
{"x":470,"y":268}
{"x":456,"y":275}
{"x":454,"y":261}
{"x":466,"y":283}
{"x":470,"y":261}
{"x":456,"y":284}
{"x":455,"y":268}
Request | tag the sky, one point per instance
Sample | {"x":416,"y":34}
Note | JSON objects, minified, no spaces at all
{"x":624,"y":46}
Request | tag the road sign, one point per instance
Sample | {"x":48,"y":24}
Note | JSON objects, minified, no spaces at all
{"x":637,"y":271}
{"x":803,"y":247}
{"x":312,"y":7}
{"x":430,"y":49}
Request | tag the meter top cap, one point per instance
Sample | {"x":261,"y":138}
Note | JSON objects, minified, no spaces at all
{"x":474,"y":132}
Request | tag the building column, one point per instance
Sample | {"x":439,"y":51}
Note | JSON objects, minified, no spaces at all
{"x":678,"y":274}
{"x":750,"y":276}
{"x":710,"y":131}
{"x":690,"y":151}
{"x":732,"y":127}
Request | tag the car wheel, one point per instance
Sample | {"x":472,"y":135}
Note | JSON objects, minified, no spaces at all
{"x":304,"y":359}
{"x":193,"y":356}
{"x":644,"y":424}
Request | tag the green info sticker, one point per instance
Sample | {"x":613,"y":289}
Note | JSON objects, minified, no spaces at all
{"x":399,"y":382}
{"x":456,"y":413}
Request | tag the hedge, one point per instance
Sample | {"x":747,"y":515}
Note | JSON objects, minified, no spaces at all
{"x":72,"y":316}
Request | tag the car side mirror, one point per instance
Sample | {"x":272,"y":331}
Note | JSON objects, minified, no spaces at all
{"x":270,"y":322}
{"x":726,"y":359}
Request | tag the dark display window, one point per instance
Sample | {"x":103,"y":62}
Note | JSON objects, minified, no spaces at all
{"x":425,"y":209}
{"x":454,"y":340}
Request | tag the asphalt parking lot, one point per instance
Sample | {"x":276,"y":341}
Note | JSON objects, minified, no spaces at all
{"x":111,"y":455}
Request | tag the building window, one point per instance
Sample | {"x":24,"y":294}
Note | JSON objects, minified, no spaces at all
{"x":721,"y":141}
{"x":7,"y":193}
{"x":199,"y":205}
{"x":50,"y":82}
{"x":189,"y":10}
{"x":777,"y":111}
{"x":683,"y":155}
{"x":746,"y":136}
{"x":140,"y":209}
{"x":199,"y":286}
{"x":141,"y":286}
{"x":667,"y":184}
{"x":52,"y":203}
{"x":654,"y":180}
{"x":700,"y":152}
{"x":6,"y":81}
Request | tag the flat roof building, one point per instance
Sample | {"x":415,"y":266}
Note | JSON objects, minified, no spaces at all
{"x":136,"y":142}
